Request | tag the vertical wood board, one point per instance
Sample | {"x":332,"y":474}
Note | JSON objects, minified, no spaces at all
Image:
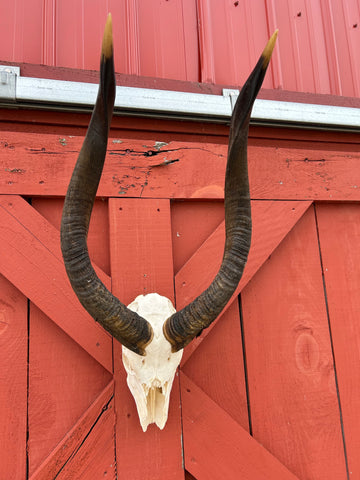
{"x":141,"y":262}
{"x":217,"y":366}
{"x":339,"y":233}
{"x":293,"y":399}
{"x":13,"y":381}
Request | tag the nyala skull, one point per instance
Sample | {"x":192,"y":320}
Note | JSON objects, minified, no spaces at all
{"x":151,"y":332}
{"x":150,"y":377}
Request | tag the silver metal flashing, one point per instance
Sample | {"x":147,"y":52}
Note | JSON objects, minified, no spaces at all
{"x":17,"y":91}
{"x":8,"y":77}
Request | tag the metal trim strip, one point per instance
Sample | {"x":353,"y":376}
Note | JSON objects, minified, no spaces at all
{"x":144,"y":102}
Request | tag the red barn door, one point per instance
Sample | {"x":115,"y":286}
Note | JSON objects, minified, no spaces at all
{"x":269,"y":391}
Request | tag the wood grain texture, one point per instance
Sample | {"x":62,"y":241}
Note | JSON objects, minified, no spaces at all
{"x":271,"y":223}
{"x":30,"y":249}
{"x":35,"y":164}
{"x":63,"y":382}
{"x":72,"y":441}
{"x":339,"y":233}
{"x":13,"y":381}
{"x":95,"y":458}
{"x":216,"y":447}
{"x":141,"y":262}
{"x":293,"y":400}
{"x":217,"y":367}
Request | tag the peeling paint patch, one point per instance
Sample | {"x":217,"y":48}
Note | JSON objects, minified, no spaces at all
{"x":159,"y":145}
{"x":15,"y":170}
{"x":63,"y":141}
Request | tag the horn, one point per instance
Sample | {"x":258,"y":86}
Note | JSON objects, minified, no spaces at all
{"x":189,"y":322}
{"x":133,"y":331}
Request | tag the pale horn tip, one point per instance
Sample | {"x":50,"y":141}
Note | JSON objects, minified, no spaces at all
{"x":107,"y":43}
{"x":269,"y":48}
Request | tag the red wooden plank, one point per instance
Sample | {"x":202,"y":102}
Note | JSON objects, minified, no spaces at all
{"x":293,"y":400}
{"x":30,"y":250}
{"x":63,"y":382}
{"x":339,"y":233}
{"x":271,"y":223}
{"x":13,"y":381}
{"x":216,"y":447}
{"x":140,"y":240}
{"x":98,"y":236}
{"x":71,"y":123}
{"x":73,"y":440}
{"x":191,"y":223}
{"x":141,"y":262}
{"x":95,"y":457}
{"x":223,"y":381}
{"x":38,"y":164}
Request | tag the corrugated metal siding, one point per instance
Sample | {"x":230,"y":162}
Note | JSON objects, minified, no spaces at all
{"x":213,"y":41}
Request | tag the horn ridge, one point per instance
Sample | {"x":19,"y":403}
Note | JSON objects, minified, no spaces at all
{"x":189,"y":322}
{"x":128,"y":327}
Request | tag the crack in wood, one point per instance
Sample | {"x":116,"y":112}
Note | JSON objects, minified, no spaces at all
{"x":153,"y":153}
{"x":74,"y":453}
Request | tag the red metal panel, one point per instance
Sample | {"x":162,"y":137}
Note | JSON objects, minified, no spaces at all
{"x":161,"y":39}
{"x":153,"y":38}
{"x":232,"y":36}
{"x":21,"y":25}
{"x":197,"y":40}
{"x":345,"y":33}
{"x":302,"y":55}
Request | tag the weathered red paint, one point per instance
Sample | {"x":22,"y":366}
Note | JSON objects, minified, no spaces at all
{"x":308,"y":163}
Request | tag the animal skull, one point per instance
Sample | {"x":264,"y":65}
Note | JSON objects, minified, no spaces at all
{"x":150,"y":377}
{"x":151,"y":332}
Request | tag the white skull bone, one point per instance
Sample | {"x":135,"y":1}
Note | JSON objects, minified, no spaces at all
{"x":150,"y":377}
